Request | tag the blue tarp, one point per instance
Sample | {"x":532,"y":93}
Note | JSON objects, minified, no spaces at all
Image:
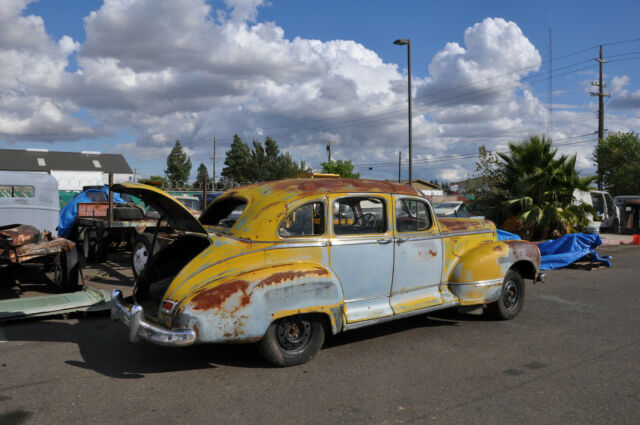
{"x":565,"y":250}
{"x":506,"y":236}
{"x":69,"y":212}
{"x":561,"y":252}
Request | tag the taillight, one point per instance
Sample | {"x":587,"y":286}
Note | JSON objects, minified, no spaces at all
{"x":168,"y":306}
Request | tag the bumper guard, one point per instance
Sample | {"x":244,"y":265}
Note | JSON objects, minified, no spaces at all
{"x":138,"y":328}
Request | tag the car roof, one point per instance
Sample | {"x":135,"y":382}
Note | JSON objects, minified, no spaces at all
{"x":269,"y":202}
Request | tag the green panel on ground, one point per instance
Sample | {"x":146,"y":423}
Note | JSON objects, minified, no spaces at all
{"x":88,"y":299}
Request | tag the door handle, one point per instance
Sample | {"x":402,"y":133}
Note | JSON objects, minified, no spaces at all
{"x":399,"y":241}
{"x":383,"y":241}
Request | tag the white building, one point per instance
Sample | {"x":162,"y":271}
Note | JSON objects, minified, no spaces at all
{"x":72,"y":170}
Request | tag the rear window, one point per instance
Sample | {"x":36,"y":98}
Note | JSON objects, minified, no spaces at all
{"x":223,"y":214}
{"x":17,"y":191}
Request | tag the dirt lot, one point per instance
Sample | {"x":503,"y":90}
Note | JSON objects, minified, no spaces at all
{"x":571,"y":356}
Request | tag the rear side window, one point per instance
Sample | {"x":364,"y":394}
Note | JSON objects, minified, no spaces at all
{"x":412,"y":215}
{"x":17,"y":191}
{"x":307,"y":220}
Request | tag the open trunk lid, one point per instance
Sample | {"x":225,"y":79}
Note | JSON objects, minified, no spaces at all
{"x":178,"y":216}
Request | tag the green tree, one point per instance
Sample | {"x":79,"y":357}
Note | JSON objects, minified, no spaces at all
{"x":342,"y":167}
{"x":618,"y":160}
{"x":178,"y":165}
{"x":260,"y":163}
{"x":237,"y":162}
{"x":537,"y":190}
{"x":203,"y":175}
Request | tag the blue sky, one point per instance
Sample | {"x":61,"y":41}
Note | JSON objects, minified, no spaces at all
{"x":119,"y":91}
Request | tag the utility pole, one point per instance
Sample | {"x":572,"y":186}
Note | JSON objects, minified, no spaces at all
{"x":550,"y":88}
{"x":399,"y":165}
{"x":213,"y":184}
{"x":329,"y":143}
{"x":601,"y":95}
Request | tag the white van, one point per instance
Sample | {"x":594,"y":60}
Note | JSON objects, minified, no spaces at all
{"x":607,"y":219}
{"x":29,"y":198}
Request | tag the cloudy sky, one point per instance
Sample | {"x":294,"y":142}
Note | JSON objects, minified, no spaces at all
{"x":132,"y":76}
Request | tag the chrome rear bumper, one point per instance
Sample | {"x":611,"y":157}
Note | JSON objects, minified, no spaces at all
{"x":138,"y":328}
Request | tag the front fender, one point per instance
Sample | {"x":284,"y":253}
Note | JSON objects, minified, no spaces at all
{"x":478,"y":276}
{"x":240,"y":308}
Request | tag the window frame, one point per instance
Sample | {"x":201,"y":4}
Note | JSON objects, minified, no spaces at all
{"x":385,"y":211}
{"x":321,"y":201}
{"x":429,"y":210}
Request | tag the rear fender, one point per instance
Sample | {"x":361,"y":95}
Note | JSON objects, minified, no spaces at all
{"x":240,"y":308}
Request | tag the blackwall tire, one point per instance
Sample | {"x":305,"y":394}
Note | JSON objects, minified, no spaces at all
{"x":511,"y":298}
{"x":292,"y":340}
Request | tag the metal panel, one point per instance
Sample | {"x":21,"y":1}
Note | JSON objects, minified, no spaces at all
{"x":364,"y":265}
{"x":417,"y":268}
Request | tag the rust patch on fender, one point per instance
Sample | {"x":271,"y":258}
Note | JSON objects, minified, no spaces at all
{"x":279,"y":277}
{"x":216,"y":297}
{"x":432,"y":253}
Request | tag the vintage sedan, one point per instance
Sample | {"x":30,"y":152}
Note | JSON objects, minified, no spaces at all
{"x":283,"y":263}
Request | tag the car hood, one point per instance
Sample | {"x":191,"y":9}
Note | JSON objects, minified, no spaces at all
{"x":178,"y":216}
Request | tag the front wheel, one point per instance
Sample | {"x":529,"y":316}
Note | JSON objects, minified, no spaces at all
{"x":511,"y":298}
{"x":292,"y":340}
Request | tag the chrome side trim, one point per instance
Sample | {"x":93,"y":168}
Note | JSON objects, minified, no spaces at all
{"x":402,"y":239}
{"x":351,"y":326}
{"x":139,"y":329}
{"x":372,"y":241}
{"x":352,"y":300}
{"x":470,"y":232}
{"x":489,"y":282}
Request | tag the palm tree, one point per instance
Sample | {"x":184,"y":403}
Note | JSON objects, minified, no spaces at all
{"x":539,"y":189}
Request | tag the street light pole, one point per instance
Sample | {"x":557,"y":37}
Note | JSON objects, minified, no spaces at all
{"x":407,"y":42}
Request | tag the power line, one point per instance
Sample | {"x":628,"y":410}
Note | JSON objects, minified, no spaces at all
{"x":457,"y":157}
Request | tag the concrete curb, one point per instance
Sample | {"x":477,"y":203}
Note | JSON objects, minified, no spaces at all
{"x":627,"y":240}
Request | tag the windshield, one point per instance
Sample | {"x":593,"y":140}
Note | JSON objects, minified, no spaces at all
{"x":224,"y":214}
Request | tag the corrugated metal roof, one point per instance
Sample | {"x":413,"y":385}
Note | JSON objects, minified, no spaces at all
{"x":32,"y":160}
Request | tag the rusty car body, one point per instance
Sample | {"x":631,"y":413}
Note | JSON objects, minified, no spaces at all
{"x":282,"y":263}
{"x":22,"y":244}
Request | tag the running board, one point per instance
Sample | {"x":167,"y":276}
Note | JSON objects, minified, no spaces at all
{"x":357,"y":325}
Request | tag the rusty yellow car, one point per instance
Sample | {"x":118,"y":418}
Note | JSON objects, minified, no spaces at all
{"x":284,"y":263}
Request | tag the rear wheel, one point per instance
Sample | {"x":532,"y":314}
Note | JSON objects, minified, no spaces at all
{"x":511,"y":298}
{"x":292,"y":340}
{"x":141,"y":253}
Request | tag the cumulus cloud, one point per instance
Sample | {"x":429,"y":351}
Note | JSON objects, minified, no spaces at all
{"x":621,"y":98}
{"x":487,"y":70}
{"x":162,"y":70}
{"x":32,"y":71}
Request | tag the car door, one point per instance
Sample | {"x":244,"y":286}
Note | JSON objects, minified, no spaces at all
{"x":361,"y":254}
{"x":417,"y":270}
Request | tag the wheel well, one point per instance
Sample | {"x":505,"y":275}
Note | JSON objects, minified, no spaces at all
{"x":525,"y":268}
{"x":323,"y":318}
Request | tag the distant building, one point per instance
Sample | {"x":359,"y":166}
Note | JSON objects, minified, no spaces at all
{"x":72,"y":170}
{"x":427,"y":188}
